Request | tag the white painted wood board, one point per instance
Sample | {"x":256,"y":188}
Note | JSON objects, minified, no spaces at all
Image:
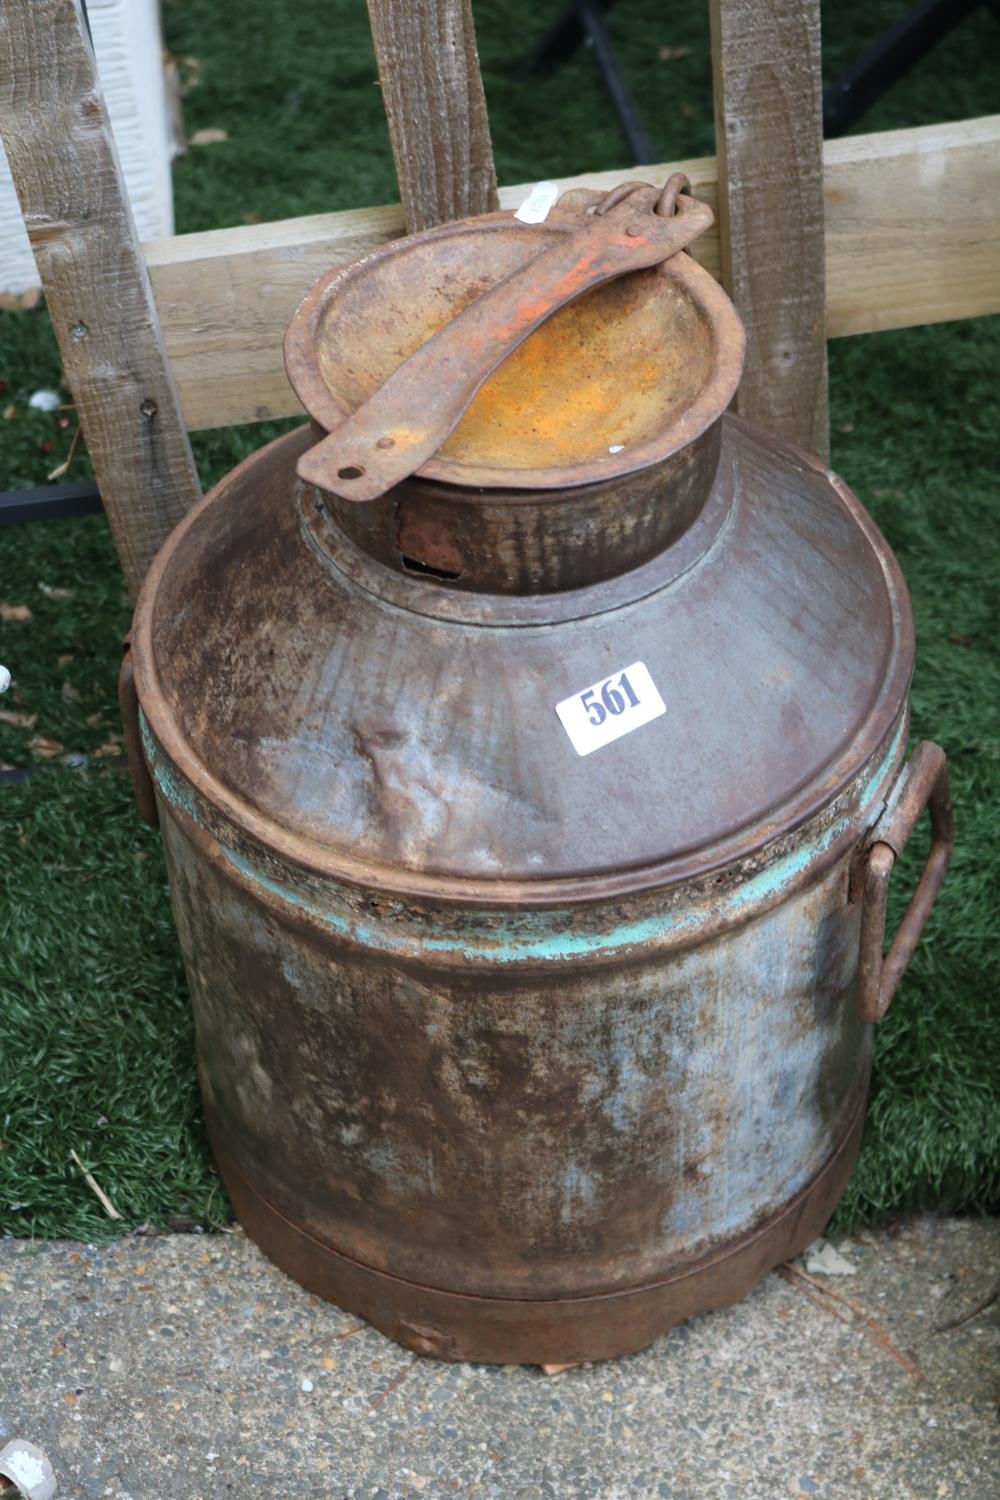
{"x":129,"y":51}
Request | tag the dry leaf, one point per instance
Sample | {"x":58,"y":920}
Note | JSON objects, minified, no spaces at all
{"x":45,"y":747}
{"x":20,"y":301}
{"x":672,"y":54}
{"x":211,"y":136}
{"x":250,"y":217}
{"x":111,"y":748}
{"x":14,"y":612}
{"x":95,"y":721}
{"x":69,"y":694}
{"x":53,"y":593}
{"x":63,"y":468}
{"x":823,"y":1259}
{"x":10,"y":411}
{"x":183,"y":71}
{"x":19,"y":721}
{"x":64,"y":661}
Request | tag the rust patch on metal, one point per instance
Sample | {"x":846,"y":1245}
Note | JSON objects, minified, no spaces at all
{"x":525,"y":542}
{"x":427,"y":539}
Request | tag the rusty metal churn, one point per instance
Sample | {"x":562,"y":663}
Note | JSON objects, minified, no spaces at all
{"x":527,"y":737}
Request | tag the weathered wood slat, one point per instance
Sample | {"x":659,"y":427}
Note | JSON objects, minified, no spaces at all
{"x":912,"y":229}
{"x":69,"y":182}
{"x":434,"y":101}
{"x":912,"y":226}
{"x":769,"y":142}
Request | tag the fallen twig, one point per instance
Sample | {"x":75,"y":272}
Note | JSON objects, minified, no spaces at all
{"x":785,"y":1272}
{"x":828,"y":1291}
{"x":394,"y":1384}
{"x":875,"y":1334}
{"x":105,"y":1201}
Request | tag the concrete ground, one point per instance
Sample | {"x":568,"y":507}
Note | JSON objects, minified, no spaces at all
{"x":187,"y":1366}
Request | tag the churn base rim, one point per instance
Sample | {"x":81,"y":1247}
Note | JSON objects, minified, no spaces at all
{"x":458,"y":1326}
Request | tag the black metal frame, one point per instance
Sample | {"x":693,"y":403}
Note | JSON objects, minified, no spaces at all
{"x":583,"y":23}
{"x":891,"y":56}
{"x":50,"y":502}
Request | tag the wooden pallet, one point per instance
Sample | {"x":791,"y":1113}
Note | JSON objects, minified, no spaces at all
{"x":869,"y":232}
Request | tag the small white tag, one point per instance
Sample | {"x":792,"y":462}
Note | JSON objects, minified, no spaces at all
{"x":535,"y":208}
{"x":610,"y":707}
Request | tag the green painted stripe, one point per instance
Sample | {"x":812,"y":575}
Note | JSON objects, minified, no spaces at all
{"x":540,"y":936}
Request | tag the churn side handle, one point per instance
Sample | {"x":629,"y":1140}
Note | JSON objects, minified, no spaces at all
{"x":128,"y":707}
{"x":924,"y":783}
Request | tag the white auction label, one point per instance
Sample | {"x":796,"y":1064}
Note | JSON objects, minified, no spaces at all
{"x":610,"y":707}
{"x":535,"y":208}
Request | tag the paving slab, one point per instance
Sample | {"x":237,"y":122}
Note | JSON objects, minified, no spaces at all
{"x":188,"y":1366}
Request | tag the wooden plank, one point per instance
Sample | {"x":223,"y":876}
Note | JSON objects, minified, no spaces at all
{"x":769,"y":145}
{"x":69,"y":182}
{"x":434,"y":102}
{"x":894,"y":259}
{"x":912,"y":226}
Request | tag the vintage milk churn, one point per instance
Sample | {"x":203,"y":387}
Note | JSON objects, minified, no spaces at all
{"x":527,"y":737}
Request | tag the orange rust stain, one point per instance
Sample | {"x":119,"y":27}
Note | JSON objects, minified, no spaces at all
{"x":562,"y":289}
{"x":586,"y":379}
{"x":609,"y":370}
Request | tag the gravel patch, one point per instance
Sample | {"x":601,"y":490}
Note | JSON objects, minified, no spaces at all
{"x":188,"y":1366}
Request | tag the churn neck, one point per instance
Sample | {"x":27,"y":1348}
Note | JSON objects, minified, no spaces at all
{"x":527,"y":542}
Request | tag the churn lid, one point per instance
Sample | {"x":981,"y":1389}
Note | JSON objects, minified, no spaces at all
{"x":480,"y":384}
{"x":405,"y":732}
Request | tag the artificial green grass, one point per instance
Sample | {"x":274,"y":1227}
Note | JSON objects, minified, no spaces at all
{"x":95,"y":1033}
{"x":924,"y":460}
